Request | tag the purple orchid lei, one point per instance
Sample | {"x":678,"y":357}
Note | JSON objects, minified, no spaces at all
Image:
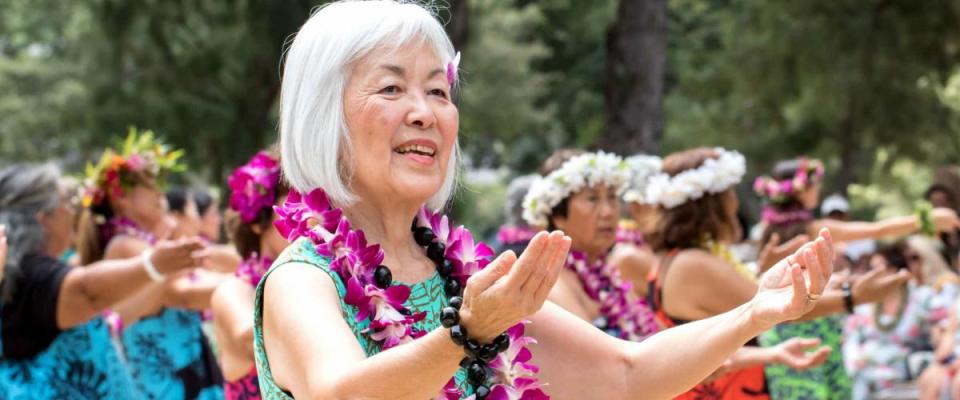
{"x":628,"y":317}
{"x":253,"y":186}
{"x":312,"y":216}
{"x":122,"y":226}
{"x":252,"y":269}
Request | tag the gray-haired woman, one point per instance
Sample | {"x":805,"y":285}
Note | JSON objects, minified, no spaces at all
{"x":55,"y":345}
{"x":367,"y":121}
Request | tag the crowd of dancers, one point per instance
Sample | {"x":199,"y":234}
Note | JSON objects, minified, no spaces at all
{"x":331,"y":272}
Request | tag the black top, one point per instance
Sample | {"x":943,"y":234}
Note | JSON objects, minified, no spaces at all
{"x":29,"y":320}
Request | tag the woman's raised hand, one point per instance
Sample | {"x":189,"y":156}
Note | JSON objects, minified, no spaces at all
{"x":510,"y":288}
{"x":173,"y":256}
{"x":945,"y":219}
{"x":773,"y":251}
{"x":791,"y":287}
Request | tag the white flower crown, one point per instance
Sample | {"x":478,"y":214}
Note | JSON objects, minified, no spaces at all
{"x":716,"y":175}
{"x":574,"y":175}
{"x":642,"y":168}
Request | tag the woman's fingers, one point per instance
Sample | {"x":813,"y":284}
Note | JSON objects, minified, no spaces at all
{"x":814,"y":272}
{"x":554,"y":265}
{"x":497,"y":269}
{"x":539,"y":269}
{"x":799,"y":286}
{"x":822,"y":250}
{"x":528,"y":261}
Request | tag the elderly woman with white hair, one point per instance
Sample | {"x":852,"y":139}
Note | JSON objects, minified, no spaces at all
{"x":368,"y":138}
{"x":55,"y":343}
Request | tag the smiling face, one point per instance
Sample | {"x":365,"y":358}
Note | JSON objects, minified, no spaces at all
{"x":591,"y":221}
{"x":402,"y":124}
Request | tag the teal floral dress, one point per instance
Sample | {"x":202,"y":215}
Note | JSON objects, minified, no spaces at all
{"x":426,"y":296}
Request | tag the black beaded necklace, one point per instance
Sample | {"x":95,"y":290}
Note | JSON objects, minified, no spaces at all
{"x":477,"y":355}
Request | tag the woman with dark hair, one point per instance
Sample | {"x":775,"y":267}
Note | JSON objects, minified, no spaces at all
{"x":791,"y":194}
{"x":591,"y":286}
{"x":55,"y":345}
{"x":160,"y":327}
{"x":699,"y":276}
{"x":208,"y":207}
{"x":256,"y":188}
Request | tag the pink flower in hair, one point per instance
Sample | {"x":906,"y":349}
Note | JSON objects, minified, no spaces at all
{"x":253,"y":186}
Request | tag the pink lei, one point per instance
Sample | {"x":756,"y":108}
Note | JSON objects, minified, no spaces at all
{"x":622,"y":314}
{"x":391,"y":324}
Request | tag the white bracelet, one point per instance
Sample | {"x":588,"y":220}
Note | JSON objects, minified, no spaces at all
{"x":151,"y":270}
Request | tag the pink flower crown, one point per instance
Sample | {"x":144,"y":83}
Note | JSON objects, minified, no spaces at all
{"x":776,"y":191}
{"x":253,"y":186}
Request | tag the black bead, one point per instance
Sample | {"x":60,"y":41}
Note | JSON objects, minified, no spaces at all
{"x":458,"y":334}
{"x":405,"y":311}
{"x":472,"y":348}
{"x":502,"y":342}
{"x":477,"y":373}
{"x":382,"y":277}
{"x":456,"y":302}
{"x":436,"y":253}
{"x":465,"y":362}
{"x":449,"y":316}
{"x":445,"y":269}
{"x":482,"y":392}
{"x":451,"y":287}
{"x":423,"y":235}
{"x":488,"y":352}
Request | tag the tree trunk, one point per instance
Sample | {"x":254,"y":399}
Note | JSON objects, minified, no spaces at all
{"x":634,"y":78}
{"x":458,"y":17}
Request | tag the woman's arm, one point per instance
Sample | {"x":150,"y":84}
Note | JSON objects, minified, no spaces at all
{"x":192,"y":289}
{"x":716,"y":288}
{"x":232,"y":305}
{"x":565,"y":295}
{"x":676,"y":359}
{"x":797,"y":353}
{"x":843,"y":231}
{"x":87,"y":291}
{"x":313,"y":353}
{"x":634,"y":264}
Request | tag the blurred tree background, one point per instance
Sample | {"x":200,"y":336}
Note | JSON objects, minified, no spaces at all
{"x":870,"y":86}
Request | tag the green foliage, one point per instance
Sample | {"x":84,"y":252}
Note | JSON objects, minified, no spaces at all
{"x":835,"y":79}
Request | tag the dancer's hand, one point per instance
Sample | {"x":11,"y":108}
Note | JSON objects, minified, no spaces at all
{"x":510,"y":288}
{"x":945,"y":219}
{"x":791,"y":287}
{"x":877,"y":283}
{"x":796,"y":353}
{"x":174,"y":256}
{"x":773,"y":251}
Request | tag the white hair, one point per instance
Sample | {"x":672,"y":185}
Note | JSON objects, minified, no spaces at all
{"x":314,"y":139}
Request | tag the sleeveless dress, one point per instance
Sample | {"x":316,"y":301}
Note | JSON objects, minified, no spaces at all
{"x":81,"y":363}
{"x":426,"y":296}
{"x":748,"y":383}
{"x":170,"y":358}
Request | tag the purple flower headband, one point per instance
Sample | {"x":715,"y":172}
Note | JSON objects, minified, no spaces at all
{"x":253,"y":186}
{"x":780,"y":191}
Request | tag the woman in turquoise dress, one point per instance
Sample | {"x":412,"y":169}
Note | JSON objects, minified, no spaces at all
{"x":368,"y":132}
{"x":55,"y":344}
{"x":165,"y":349}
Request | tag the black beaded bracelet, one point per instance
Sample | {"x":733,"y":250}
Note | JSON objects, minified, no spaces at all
{"x":848,"y":297}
